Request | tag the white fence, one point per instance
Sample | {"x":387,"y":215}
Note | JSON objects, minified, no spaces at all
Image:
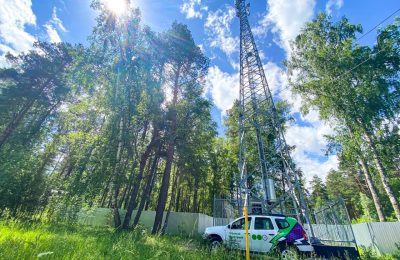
{"x":179,"y":223}
{"x":383,"y":237}
{"x":333,"y":234}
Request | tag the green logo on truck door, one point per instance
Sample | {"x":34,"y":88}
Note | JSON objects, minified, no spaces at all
{"x":256,"y":237}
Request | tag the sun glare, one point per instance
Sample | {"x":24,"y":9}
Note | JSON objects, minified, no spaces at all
{"x":117,"y":7}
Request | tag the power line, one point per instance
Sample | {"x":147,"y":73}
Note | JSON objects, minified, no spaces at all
{"x":334,"y":79}
{"x":361,"y":63}
{"x":355,"y":67}
{"x":376,"y":26}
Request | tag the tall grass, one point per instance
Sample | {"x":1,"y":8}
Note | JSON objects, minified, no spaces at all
{"x":30,"y":241}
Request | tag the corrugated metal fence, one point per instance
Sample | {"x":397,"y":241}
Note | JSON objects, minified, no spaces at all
{"x":384,"y":237}
{"x":333,"y":234}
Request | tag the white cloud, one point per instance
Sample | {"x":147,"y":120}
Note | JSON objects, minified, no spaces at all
{"x":262,"y":55}
{"x":309,"y":138}
{"x":311,"y":167}
{"x":201,"y":46}
{"x":285,"y":19}
{"x":52,"y":33}
{"x":224,"y":88}
{"x":189,"y":9}
{"x":333,"y":4}
{"x":56,"y":21}
{"x":276,"y":77}
{"x":279,"y":85}
{"x":310,"y":142}
{"x":14,"y":16}
{"x":218,"y":28}
{"x":52,"y":25}
{"x":4,"y":48}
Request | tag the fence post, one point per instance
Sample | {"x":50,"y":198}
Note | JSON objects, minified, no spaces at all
{"x":351,"y":226}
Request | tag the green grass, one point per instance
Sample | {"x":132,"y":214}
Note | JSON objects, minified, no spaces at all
{"x":27,"y":241}
{"x":19,"y":240}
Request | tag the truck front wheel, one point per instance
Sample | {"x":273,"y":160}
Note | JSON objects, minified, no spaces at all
{"x":215,"y":242}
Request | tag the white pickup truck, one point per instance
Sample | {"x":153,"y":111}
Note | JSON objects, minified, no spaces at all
{"x":266,"y":232}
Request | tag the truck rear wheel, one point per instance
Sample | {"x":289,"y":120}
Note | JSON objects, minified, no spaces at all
{"x":289,"y":252}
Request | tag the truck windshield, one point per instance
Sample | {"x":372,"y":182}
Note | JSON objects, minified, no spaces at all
{"x":282,"y":223}
{"x":239,"y":224}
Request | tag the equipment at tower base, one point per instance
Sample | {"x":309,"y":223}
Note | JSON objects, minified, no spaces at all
{"x":271,"y":194}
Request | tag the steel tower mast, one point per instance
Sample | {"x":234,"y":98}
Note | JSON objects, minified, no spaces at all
{"x":258,"y":115}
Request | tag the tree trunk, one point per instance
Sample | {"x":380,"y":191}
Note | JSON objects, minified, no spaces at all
{"x":196,"y":183}
{"x":105,"y":193}
{"x":114,"y":203}
{"x":122,"y":199}
{"x":162,"y":198}
{"x":21,"y":114}
{"x":135,"y":190}
{"x":153,"y":181}
{"x":383,"y":175}
{"x":178,"y":196}
{"x":189,"y":198}
{"x":171,"y":202}
{"x":15,"y":122}
{"x":372,"y":189}
{"x":39,"y":123}
{"x":195,"y":201}
{"x":361,"y":184}
{"x":129,"y":187}
{"x":146,"y":192}
{"x":131,"y":180}
{"x":48,"y":157}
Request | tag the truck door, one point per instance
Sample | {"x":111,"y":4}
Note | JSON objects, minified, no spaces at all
{"x":236,"y":234}
{"x":261,"y":234}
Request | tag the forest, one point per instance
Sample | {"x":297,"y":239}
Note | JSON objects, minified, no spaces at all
{"x":124,"y":123}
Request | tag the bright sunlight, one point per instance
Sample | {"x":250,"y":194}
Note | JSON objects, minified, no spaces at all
{"x":117,"y":7}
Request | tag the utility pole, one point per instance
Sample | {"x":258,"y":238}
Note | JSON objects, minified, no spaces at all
{"x":258,"y":117}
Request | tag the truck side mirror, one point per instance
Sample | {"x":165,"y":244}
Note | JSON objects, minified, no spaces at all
{"x":229,"y":226}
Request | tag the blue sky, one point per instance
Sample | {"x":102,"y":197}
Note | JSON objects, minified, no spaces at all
{"x":215,"y":28}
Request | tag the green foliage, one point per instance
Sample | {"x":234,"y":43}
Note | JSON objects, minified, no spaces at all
{"x":369,"y":214}
{"x":83,"y":127}
{"x":319,"y":194}
{"x":356,"y":89}
{"x":344,"y":184}
{"x":369,"y":253}
{"x":32,"y":89}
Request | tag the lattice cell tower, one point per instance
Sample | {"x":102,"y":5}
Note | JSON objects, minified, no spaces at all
{"x":258,"y":118}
